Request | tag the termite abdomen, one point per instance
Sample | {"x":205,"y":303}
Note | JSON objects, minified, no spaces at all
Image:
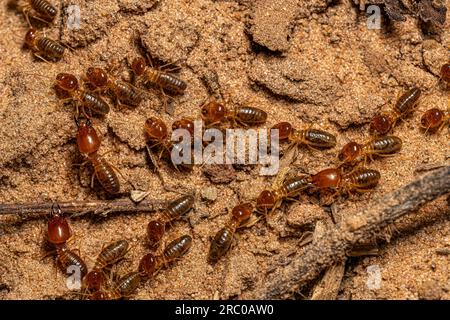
{"x":44,"y":8}
{"x":111,"y":253}
{"x":177,"y":248}
{"x":363,"y":179}
{"x":127,"y":94}
{"x":180,"y":206}
{"x":386,"y":145}
{"x":220,"y":244}
{"x":105,"y":174}
{"x":293,"y":186}
{"x":94,"y":103}
{"x":315,"y":138}
{"x":50,"y":48}
{"x":69,"y":259}
{"x":407,"y":101}
{"x":166,"y":81}
{"x":128,"y":284}
{"x":250,"y":115}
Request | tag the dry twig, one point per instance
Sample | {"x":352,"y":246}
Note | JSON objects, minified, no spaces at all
{"x":332,"y":247}
{"x":79,"y":208}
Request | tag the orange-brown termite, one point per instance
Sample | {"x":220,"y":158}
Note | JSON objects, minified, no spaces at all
{"x":157,"y":133}
{"x":269,"y":200}
{"x":43,"y":47}
{"x":41,"y":10}
{"x":175,"y":210}
{"x":69,"y":84}
{"x":224,"y":237}
{"x":378,"y":146}
{"x":214,"y":113}
{"x":360,"y":180}
{"x":88,"y":144}
{"x":150,"y":263}
{"x":70,"y":262}
{"x":158,"y":78}
{"x":382,"y":123}
{"x":109,"y":255}
{"x":186,"y":124}
{"x":124,"y":92}
{"x":123,"y":288}
{"x":434,"y":119}
{"x":58,"y":233}
{"x":312,"y":138}
{"x":445,"y":74}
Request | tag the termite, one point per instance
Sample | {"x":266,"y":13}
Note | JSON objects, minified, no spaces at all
{"x":69,"y":83}
{"x":58,"y":233}
{"x":381,"y":124}
{"x":157,"y":133}
{"x":289,"y":189}
{"x":434,"y":119}
{"x":95,"y":280}
{"x":224,"y":237}
{"x":378,"y":146}
{"x":156,"y":77}
{"x":67,"y":258}
{"x":312,"y":138}
{"x":175,"y":210}
{"x":112,"y":253}
{"x":41,"y":10}
{"x":360,"y":180}
{"x":214,"y":113}
{"x":185,"y":124}
{"x":88,"y":144}
{"x":123,"y":288}
{"x":124,"y":92}
{"x":150,"y":263}
{"x":445,"y":74}
{"x":158,"y":138}
{"x":44,"y":48}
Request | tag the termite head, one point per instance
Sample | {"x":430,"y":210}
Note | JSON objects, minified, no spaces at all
{"x":432,"y":119}
{"x":242,"y":212}
{"x":381,"y":124}
{"x":184,"y":124}
{"x":87,"y":139}
{"x":213,"y":112}
{"x":99,"y":295}
{"x":31,"y":36}
{"x":58,"y":229}
{"x":328,"y":178}
{"x":266,"y":200}
{"x":445,"y":72}
{"x":94,"y":280}
{"x":350,"y":152}
{"x":156,"y":129}
{"x":138,"y":66}
{"x":285,"y":129}
{"x":67,"y":81}
{"x":155,"y":231}
{"x":147,"y":265}
{"x":97,"y":76}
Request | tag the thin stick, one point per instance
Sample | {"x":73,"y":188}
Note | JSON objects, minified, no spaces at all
{"x":332,"y":247}
{"x":80,"y":208}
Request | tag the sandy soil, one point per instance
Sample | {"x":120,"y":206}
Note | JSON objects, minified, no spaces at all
{"x":308,"y":63}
